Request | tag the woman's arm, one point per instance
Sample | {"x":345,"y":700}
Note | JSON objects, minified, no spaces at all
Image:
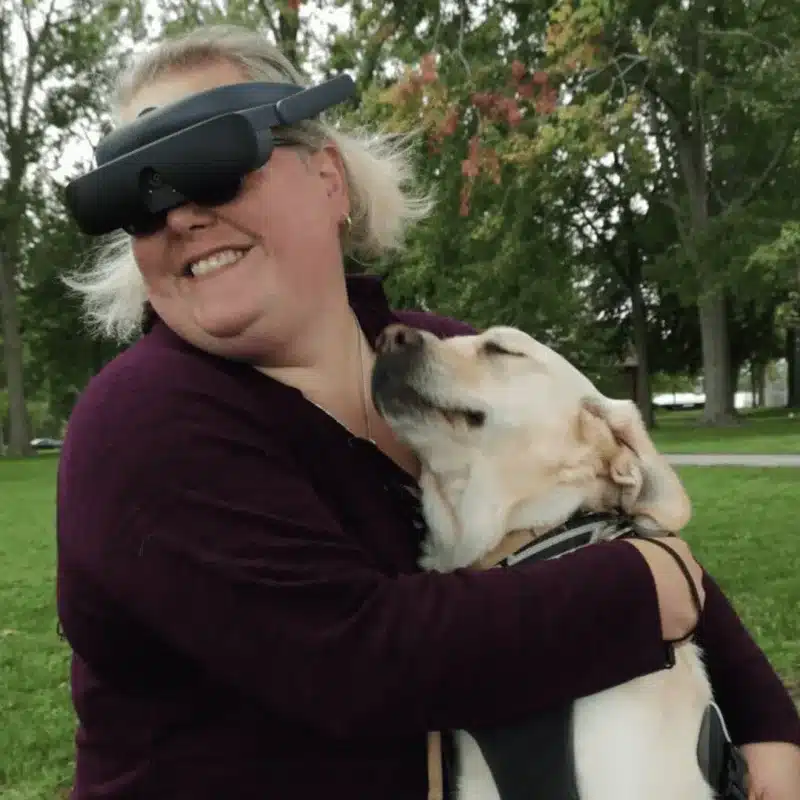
{"x":774,"y":769}
{"x":756,"y":705}
{"x":224,"y":551}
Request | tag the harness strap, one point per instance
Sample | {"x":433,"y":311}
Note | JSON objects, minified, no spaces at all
{"x":435,"y":766}
{"x":538,"y":754}
{"x":572,"y":535}
{"x":534,"y":758}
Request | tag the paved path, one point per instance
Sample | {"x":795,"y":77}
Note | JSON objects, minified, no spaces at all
{"x":734,"y":460}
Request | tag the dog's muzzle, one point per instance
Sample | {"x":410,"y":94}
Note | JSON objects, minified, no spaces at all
{"x":398,"y":366}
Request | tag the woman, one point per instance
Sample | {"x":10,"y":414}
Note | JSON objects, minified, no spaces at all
{"x":237,"y":542}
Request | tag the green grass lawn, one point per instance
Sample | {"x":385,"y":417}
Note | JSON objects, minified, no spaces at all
{"x":744,"y":530}
{"x":35,"y":716}
{"x":763,"y":431}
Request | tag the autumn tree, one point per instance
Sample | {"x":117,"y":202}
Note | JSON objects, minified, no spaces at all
{"x":717,"y":86}
{"x":279,"y":19}
{"x":520,"y":227}
{"x":557,"y":142}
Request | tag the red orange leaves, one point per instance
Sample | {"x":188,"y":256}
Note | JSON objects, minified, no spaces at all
{"x":497,"y":107}
{"x":479,"y":159}
{"x":518,"y":70}
{"x":448,"y":109}
{"x":428,"y":73}
{"x":450,"y":122}
{"x":536,"y":87}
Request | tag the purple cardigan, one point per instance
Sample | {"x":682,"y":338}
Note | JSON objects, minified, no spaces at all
{"x":237,"y":579}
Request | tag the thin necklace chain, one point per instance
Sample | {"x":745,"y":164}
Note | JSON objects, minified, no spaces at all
{"x":364,"y":389}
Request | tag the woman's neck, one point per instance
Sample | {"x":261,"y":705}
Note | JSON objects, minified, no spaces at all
{"x":338,"y":380}
{"x":326,"y":359}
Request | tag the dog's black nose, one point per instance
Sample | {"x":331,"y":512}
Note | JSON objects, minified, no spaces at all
{"x":398,"y":338}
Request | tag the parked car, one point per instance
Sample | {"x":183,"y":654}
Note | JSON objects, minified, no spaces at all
{"x":46,"y":443}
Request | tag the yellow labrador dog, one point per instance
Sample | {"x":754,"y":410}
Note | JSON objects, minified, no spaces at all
{"x":514,"y":441}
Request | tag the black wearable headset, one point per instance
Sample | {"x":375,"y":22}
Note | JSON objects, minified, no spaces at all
{"x":198,"y":149}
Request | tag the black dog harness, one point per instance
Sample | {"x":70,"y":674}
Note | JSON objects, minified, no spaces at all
{"x":551,"y":774}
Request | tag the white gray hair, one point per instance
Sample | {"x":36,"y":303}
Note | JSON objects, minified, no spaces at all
{"x":378,"y":171}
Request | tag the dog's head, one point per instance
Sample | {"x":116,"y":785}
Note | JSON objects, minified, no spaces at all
{"x":513,"y":415}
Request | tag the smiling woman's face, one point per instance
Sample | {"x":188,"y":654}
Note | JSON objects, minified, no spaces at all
{"x":243,"y":280}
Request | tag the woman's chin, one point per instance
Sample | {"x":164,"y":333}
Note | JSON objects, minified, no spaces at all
{"x":225,"y":326}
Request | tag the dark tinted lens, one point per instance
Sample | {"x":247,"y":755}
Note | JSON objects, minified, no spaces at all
{"x":217,"y":192}
{"x":213,"y":193}
{"x":145,"y":224}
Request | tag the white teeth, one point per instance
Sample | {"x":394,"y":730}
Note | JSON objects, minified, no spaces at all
{"x":217,"y":261}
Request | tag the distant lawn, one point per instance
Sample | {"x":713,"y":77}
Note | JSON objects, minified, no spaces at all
{"x":744,"y":530}
{"x":763,"y":431}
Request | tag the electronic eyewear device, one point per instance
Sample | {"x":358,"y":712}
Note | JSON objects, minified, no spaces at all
{"x":198,"y":149}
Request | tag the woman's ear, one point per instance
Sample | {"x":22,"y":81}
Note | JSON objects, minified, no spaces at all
{"x":330,"y":165}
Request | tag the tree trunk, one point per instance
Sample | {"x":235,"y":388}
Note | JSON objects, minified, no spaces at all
{"x":289,"y":27}
{"x":716,"y":358}
{"x":793,"y":367}
{"x":640,"y":339}
{"x":758,"y":383}
{"x":733,"y":387}
{"x":712,"y":303}
{"x":19,"y":439}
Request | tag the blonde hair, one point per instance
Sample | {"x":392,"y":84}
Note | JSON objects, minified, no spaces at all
{"x":377,"y":167}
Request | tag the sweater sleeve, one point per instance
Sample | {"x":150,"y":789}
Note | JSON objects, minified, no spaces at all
{"x":756,"y":705}
{"x":257,"y":584}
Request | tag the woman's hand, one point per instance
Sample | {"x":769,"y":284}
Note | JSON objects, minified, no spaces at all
{"x":774,"y":770}
{"x":675,"y":602}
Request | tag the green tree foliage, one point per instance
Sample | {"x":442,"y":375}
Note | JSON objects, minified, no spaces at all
{"x":616,"y":178}
{"x":54,"y":67}
{"x":716,"y":86}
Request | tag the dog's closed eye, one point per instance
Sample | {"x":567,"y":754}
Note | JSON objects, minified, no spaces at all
{"x":475,"y":419}
{"x":491,"y":348}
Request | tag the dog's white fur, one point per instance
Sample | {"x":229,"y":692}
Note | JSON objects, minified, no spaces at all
{"x":550,"y":445}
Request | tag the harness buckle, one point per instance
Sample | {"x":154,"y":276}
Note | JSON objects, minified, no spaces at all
{"x":735,"y":778}
{"x":721,"y":762}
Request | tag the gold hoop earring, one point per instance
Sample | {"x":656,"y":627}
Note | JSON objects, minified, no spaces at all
{"x":348,"y":224}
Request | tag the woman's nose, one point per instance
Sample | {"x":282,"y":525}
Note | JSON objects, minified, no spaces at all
{"x":189,"y":216}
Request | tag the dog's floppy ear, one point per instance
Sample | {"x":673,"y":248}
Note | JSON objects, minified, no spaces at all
{"x":651,"y":491}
